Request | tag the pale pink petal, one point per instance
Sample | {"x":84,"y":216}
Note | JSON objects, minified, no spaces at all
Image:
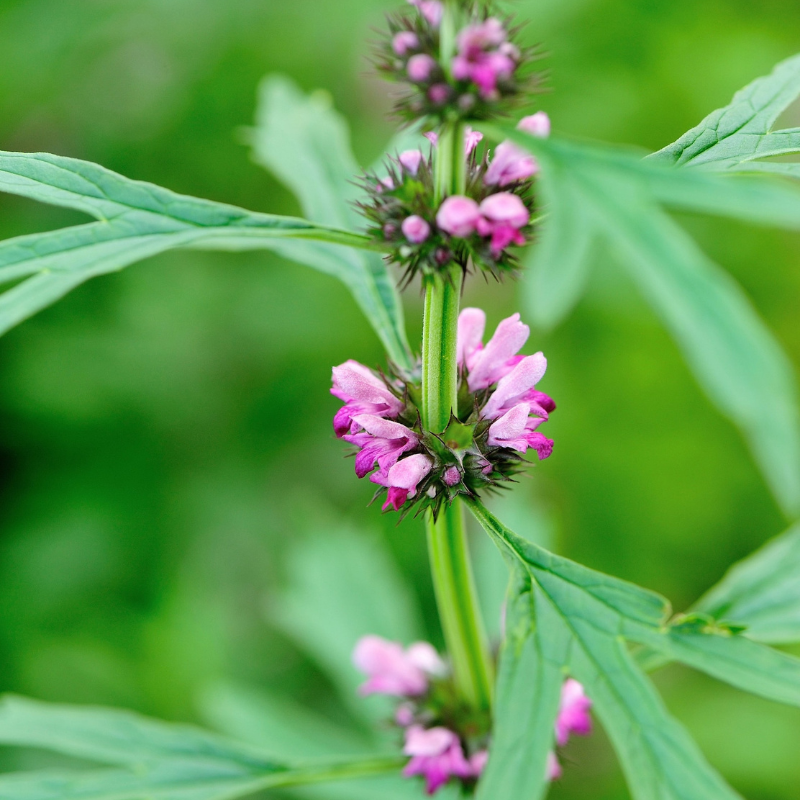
{"x":509,"y":430}
{"x":408,"y":472}
{"x":411,"y":159}
{"x":505,"y":207}
{"x":514,"y":387}
{"x":478,"y":762}
{"x":554,"y":770}
{"x":471,"y":325}
{"x":428,"y":741}
{"x":384,"y":428}
{"x":573,"y":716}
{"x":491,"y":363}
{"x":424,"y":656}
{"x":457,"y":216}
{"x":537,"y":124}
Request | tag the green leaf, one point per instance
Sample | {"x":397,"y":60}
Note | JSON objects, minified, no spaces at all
{"x":611,"y":195}
{"x":527,"y":697}
{"x":305,"y":143}
{"x":762,"y":592}
{"x":730,"y":137}
{"x":171,"y":762}
{"x":598,"y":615}
{"x":323,"y":608}
{"x":136,"y":221}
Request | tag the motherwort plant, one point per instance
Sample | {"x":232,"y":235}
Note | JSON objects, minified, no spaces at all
{"x":483,"y":190}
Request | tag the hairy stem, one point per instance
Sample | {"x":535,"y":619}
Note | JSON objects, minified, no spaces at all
{"x":447,"y":544}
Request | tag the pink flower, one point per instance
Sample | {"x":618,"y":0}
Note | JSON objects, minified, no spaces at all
{"x":510,"y":164}
{"x":438,"y":93}
{"x":381,"y":443}
{"x":458,"y":216}
{"x":410,"y":159}
{"x":478,"y":762}
{"x":436,"y":754}
{"x":502,"y":216}
{"x":452,"y":476}
{"x":392,"y":670}
{"x":517,"y":386}
{"x":484,"y":56}
{"x":537,"y":124}
{"x":432,"y":10}
{"x":573,"y":715}
{"x":432,"y":137}
{"x":363,"y":393}
{"x":474,"y":39}
{"x":554,"y":771}
{"x":469,"y":340}
{"x":402,"y":479}
{"x":405,"y":41}
{"x":498,"y":358}
{"x":415,"y":229}
{"x":420,"y":67}
{"x":516,"y":429}
{"x":471,"y":139}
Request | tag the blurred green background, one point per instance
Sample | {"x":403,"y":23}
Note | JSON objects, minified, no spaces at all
{"x":165,"y":434}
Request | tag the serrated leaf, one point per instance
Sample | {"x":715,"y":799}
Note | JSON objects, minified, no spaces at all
{"x":762,"y":592}
{"x":742,"y":131}
{"x":599,"y":614}
{"x":305,"y":143}
{"x":527,"y":697}
{"x":617,"y":198}
{"x":136,"y":221}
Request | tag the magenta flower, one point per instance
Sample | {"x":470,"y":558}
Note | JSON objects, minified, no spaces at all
{"x":420,"y":67}
{"x":392,"y":670}
{"x":363,"y":393}
{"x":410,"y":160}
{"x":510,"y":164}
{"x":573,"y":715}
{"x":484,"y":56}
{"x":469,"y":341}
{"x":404,"y":42}
{"x":518,"y":386}
{"x":502,"y":216}
{"x":516,"y":429}
{"x":415,"y":229}
{"x":437,"y":755}
{"x":458,"y":216}
{"x":381,"y":443}
{"x":431,"y":10}
{"x":489,"y":364}
{"x":402,"y":479}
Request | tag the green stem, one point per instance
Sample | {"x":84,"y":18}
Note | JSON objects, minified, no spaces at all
{"x":447,"y":544}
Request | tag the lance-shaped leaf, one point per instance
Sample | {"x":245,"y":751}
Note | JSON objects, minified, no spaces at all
{"x":170,"y":762}
{"x":609,"y":194}
{"x":527,"y":697}
{"x":762,"y":592}
{"x":599,"y":614}
{"x":136,"y":220}
{"x":733,"y":136}
{"x":305,"y":143}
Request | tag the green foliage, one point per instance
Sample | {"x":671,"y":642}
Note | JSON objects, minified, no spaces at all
{"x":135,"y":220}
{"x":605,"y":194}
{"x":305,"y":143}
{"x":579,"y":620}
{"x":163,"y":761}
{"x":762,"y":592}
{"x":735,"y":136}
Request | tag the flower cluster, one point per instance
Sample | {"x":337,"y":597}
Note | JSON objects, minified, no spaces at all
{"x":496,"y":422}
{"x":475,"y":228}
{"x":443,"y":740}
{"x":486,"y":70}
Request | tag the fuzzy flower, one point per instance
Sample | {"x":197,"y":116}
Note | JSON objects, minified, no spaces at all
{"x":410,"y":160}
{"x":437,"y":755}
{"x":431,"y":10}
{"x":363,"y":393}
{"x":392,"y":670}
{"x":402,"y":479}
{"x":380,"y":442}
{"x":511,"y":163}
{"x":415,"y":229}
{"x":515,"y":397}
{"x":405,"y":42}
{"x":484,"y":56}
{"x":458,"y":216}
{"x":503,"y":215}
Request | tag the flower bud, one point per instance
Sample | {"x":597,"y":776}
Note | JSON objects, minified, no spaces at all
{"x":505,"y":207}
{"x":420,"y":67}
{"x":405,"y":41}
{"x":537,"y":124}
{"x":458,"y":216}
{"x":415,"y":229}
{"x":410,"y":160}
